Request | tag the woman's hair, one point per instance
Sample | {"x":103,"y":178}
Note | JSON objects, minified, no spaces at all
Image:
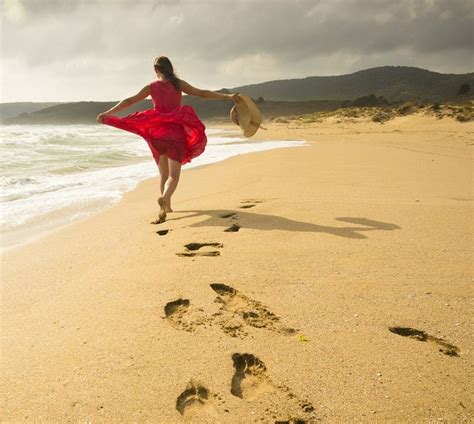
{"x":163,"y":64}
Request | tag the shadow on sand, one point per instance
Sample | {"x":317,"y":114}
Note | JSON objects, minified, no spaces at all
{"x":272,"y":222}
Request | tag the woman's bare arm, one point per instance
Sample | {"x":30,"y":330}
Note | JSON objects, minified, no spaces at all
{"x":207,"y":94}
{"x":123,"y":104}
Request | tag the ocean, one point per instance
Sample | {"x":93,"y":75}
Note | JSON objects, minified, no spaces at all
{"x":53,"y":175}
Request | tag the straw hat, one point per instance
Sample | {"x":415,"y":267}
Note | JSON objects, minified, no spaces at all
{"x":246,"y":114}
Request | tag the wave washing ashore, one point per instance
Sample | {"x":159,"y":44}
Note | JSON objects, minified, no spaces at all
{"x":53,"y":175}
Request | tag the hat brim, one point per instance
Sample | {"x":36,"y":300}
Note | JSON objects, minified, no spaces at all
{"x":233,"y":115}
{"x":246,"y":114}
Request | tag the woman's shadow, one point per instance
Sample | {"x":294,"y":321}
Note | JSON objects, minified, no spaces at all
{"x":217,"y":218}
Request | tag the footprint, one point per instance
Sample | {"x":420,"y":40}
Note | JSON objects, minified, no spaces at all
{"x":250,"y":379}
{"x":191,"y":254}
{"x":197,"y":246}
{"x":237,"y":309}
{"x":193,"y":247}
{"x":196,"y":401}
{"x":236,"y":312}
{"x":176,"y":310}
{"x":443,"y":346}
{"x":228,"y":215}
{"x":163,"y":232}
{"x":180,"y":314}
{"x":251,"y":201}
{"x":233,"y":228}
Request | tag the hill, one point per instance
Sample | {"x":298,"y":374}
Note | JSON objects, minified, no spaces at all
{"x":86,"y":112}
{"x":370,"y":87}
{"x":9,"y":110}
{"x":395,"y":83}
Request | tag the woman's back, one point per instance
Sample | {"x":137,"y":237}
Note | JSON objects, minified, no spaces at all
{"x":165,"y":96}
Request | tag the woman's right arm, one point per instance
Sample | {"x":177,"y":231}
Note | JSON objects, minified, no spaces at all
{"x":207,"y":94}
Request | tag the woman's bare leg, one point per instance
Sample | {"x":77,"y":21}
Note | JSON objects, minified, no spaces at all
{"x":170,"y":187}
{"x":164,"y":174}
{"x":173,"y":179}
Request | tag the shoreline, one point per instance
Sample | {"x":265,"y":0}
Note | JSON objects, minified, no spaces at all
{"x":366,"y":229}
{"x":30,"y":233}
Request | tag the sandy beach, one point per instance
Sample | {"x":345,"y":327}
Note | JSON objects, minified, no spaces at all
{"x":327,"y":282}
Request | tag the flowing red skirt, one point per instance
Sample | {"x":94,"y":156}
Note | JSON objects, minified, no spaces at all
{"x":180,"y":134}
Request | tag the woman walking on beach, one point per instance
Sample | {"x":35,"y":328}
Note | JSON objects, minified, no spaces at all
{"x":174,"y":132}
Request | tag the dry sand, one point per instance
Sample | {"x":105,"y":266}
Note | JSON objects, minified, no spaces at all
{"x":368,"y":227}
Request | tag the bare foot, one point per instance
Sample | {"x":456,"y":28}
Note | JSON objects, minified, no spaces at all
{"x":163,"y":206}
{"x":167,"y":207}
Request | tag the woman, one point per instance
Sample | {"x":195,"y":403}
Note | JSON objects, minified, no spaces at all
{"x":174,"y":132}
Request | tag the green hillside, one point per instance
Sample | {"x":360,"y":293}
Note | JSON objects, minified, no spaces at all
{"x":9,"y":110}
{"x":395,"y":83}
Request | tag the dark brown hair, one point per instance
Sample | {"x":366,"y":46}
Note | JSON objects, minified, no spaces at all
{"x":163,"y":64}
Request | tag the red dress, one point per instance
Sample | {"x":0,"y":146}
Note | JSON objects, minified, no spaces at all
{"x":170,"y":128}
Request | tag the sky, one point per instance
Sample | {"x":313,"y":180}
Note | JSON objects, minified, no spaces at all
{"x":103,"y":50}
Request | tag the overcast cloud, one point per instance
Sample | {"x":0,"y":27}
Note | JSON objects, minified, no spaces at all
{"x":69,"y":50}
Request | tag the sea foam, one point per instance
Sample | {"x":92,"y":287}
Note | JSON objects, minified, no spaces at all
{"x":53,"y":175}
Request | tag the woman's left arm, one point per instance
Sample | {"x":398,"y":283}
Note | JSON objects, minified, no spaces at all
{"x":123,"y":104}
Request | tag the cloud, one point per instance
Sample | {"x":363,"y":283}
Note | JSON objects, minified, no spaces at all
{"x":59,"y":45}
{"x":14,"y":11}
